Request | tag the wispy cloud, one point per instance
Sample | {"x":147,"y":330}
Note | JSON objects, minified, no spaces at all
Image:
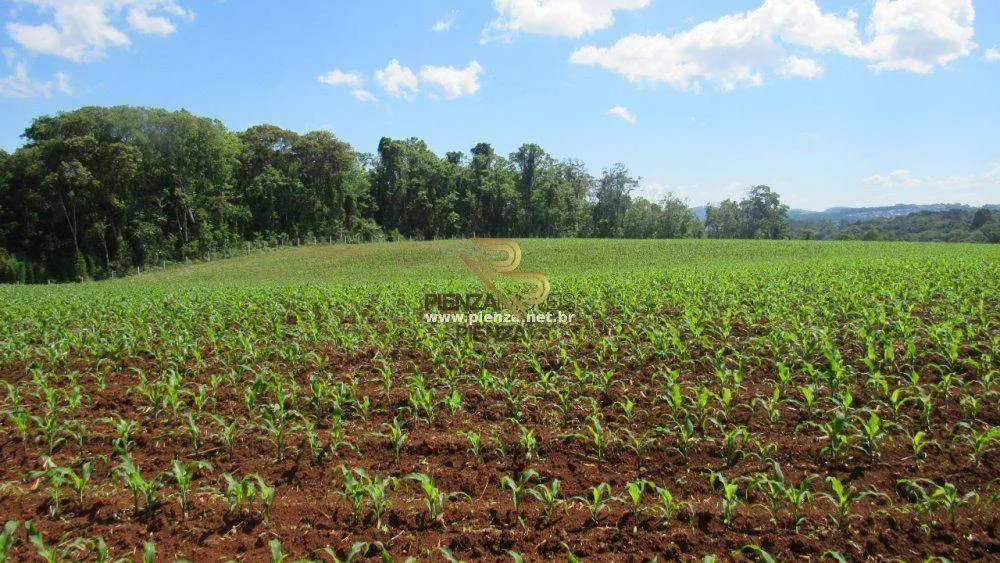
{"x":622,"y":113}
{"x":445,"y":23}
{"x":20,"y":84}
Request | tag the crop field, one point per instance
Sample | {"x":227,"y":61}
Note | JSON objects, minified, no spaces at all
{"x":735,"y":399}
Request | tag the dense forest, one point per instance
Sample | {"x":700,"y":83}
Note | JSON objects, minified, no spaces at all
{"x":96,"y":192}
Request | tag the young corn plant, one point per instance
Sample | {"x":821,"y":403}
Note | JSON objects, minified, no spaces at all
{"x":55,"y":553}
{"x":51,"y":430}
{"x":7,"y":538}
{"x":266,"y":493}
{"x":844,"y":498}
{"x":193,"y":431}
{"x":132,"y":476}
{"x":730,"y":497}
{"x":549,"y":495}
{"x":475,"y":444}
{"x":517,"y":489}
{"x":183,"y":475}
{"x":597,"y":500}
{"x":639,"y":444}
{"x":397,"y":438}
{"x":528,"y":443}
{"x":944,"y":496}
{"x":635,"y":492}
{"x":316,"y":447}
{"x":57,"y":478}
{"x":239,"y":493}
{"x":226,"y":433}
{"x":733,"y":443}
{"x":772,"y":405}
{"x":378,"y":497}
{"x":686,"y":435}
{"x":781,"y":494}
{"x":836,"y":436}
{"x":355,"y":492}
{"x":668,"y":504}
{"x":434,"y":498}
{"x":22,"y":421}
{"x":873,"y":432}
{"x":981,"y":441}
{"x":597,"y":436}
{"x":78,"y":482}
{"x":276,"y":421}
{"x":919,"y":443}
{"x":124,"y":429}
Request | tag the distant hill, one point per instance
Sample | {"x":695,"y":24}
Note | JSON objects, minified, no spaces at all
{"x":857,"y":214}
{"x":955,"y":224}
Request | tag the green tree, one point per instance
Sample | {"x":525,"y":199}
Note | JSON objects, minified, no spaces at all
{"x":611,"y":197}
{"x":981,"y":217}
{"x":724,"y":220}
{"x":763,"y":214}
{"x":677,"y":219}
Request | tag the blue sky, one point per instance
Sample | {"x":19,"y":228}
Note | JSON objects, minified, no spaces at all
{"x":830,"y":102}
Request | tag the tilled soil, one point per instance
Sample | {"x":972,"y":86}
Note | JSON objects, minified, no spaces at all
{"x":308,"y":513}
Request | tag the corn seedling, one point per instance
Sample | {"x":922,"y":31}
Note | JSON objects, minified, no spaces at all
{"x":434,"y":498}
{"x":517,"y":489}
{"x":596,"y":501}
{"x":549,"y":495}
{"x":183,"y":474}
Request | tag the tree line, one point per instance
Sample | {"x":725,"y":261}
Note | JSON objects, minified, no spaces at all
{"x":97,"y":191}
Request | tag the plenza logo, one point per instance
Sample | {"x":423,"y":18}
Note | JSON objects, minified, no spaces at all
{"x":496,"y":258}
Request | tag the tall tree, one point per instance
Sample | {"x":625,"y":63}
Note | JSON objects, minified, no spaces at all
{"x":611,"y":200}
{"x":764,"y":216}
{"x":723,"y":220}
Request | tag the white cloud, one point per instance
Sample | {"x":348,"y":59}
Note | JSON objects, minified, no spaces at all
{"x":742,"y":49}
{"x":338,"y":77}
{"x":622,"y":113}
{"x":20,"y":84}
{"x":920,"y":35}
{"x":453,"y":83}
{"x":961,"y":181}
{"x":445,"y":23}
{"x":900,"y":178}
{"x":971,"y":181}
{"x":733,"y":51}
{"x":363,"y":95}
{"x":62,"y":83}
{"x":398,"y":80}
{"x":567,"y":18}
{"x":352,"y":80}
{"x":143,"y":22}
{"x":83,"y":30}
{"x":991,"y":55}
{"x":795,"y":66}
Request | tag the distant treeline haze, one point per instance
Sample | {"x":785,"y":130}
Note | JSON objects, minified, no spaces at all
{"x":97,"y":191}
